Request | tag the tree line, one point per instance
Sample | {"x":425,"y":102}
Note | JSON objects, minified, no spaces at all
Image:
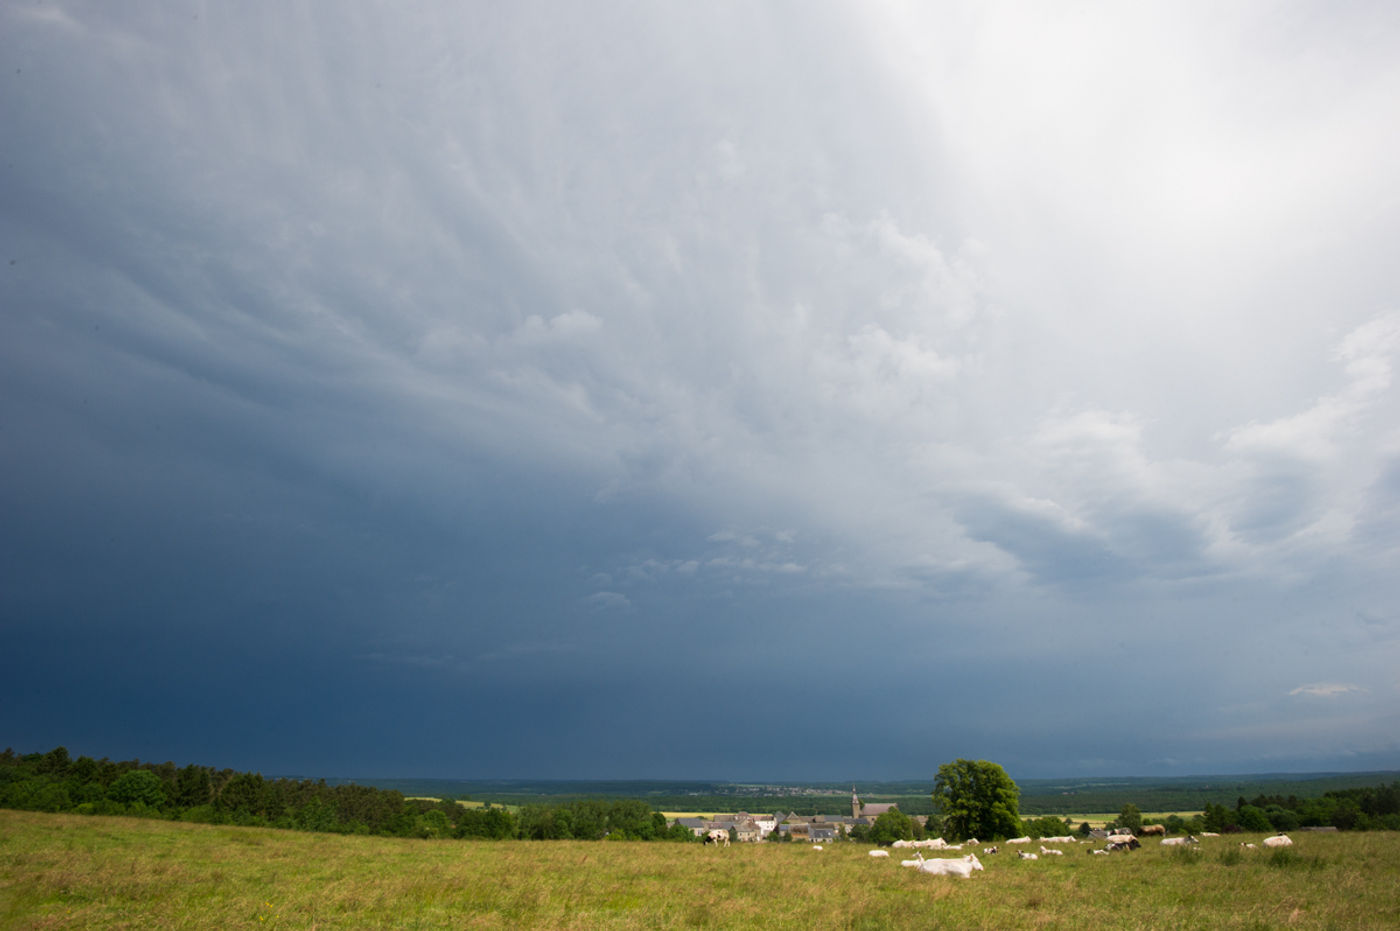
{"x":55,"y":782}
{"x":1369,"y":808}
{"x":976,"y":798}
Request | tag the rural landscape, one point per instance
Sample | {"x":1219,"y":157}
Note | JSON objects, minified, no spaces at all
{"x":740,"y":464}
{"x":119,"y":861}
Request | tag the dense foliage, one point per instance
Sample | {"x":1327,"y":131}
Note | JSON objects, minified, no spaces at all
{"x":1361,"y":809}
{"x":976,"y":799}
{"x":891,"y":826}
{"x":54,"y":782}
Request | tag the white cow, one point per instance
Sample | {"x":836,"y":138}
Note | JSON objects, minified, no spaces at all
{"x":717,"y":837}
{"x":1178,"y":841}
{"x":1027,"y":856}
{"x":963,"y":866}
{"x":1278,"y":840}
{"x":816,"y":846}
{"x":879,"y":853}
{"x":1051,"y":851}
{"x":917,"y":861}
{"x":1019,"y":840}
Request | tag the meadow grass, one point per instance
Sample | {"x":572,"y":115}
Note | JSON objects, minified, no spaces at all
{"x":70,"y":871}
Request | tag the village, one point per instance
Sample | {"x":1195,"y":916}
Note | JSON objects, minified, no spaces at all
{"x":744,"y":827}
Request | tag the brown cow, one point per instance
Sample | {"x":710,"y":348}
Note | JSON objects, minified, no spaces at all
{"x":1153,"y":829}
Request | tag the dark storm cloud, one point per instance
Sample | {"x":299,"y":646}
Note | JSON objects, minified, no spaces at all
{"x":551,"y":391}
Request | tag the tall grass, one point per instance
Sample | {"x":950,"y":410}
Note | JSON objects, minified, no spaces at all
{"x":65,"y":871}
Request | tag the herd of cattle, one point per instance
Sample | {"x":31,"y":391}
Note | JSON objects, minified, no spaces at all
{"x":1120,"y":842}
{"x":963,"y":866}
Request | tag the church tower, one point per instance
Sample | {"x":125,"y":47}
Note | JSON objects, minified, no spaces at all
{"x":855,"y":803}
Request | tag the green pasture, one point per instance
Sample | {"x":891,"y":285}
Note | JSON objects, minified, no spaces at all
{"x":71,"y":871}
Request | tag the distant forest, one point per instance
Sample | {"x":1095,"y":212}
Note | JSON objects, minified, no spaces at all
{"x":632,"y":810}
{"x":914,"y":797}
{"x":55,"y":782}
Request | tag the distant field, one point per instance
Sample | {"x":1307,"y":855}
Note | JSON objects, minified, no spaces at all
{"x":69,"y":871}
{"x":1095,"y":819}
{"x":1038,"y":796}
{"x":1098,"y":819}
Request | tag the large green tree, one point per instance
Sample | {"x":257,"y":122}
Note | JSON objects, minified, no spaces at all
{"x":891,"y":826}
{"x":977,"y":799}
{"x":1131,"y":818}
{"x":138,"y":786}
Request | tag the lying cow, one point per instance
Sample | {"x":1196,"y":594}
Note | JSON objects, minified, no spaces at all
{"x":962,"y":866}
{"x":1278,"y":840}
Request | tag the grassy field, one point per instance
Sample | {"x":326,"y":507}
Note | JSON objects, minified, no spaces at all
{"x":68,"y":871}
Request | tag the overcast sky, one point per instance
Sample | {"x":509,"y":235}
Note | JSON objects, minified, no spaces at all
{"x":743,"y":390}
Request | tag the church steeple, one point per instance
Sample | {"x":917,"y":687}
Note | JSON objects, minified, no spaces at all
{"x":855,"y":803}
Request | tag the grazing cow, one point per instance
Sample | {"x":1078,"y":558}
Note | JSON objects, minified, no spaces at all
{"x":1278,"y":840}
{"x":718,"y":837}
{"x":1178,"y":841}
{"x":879,"y":853}
{"x":1027,"y":856}
{"x":1158,"y":829}
{"x":963,"y":866}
